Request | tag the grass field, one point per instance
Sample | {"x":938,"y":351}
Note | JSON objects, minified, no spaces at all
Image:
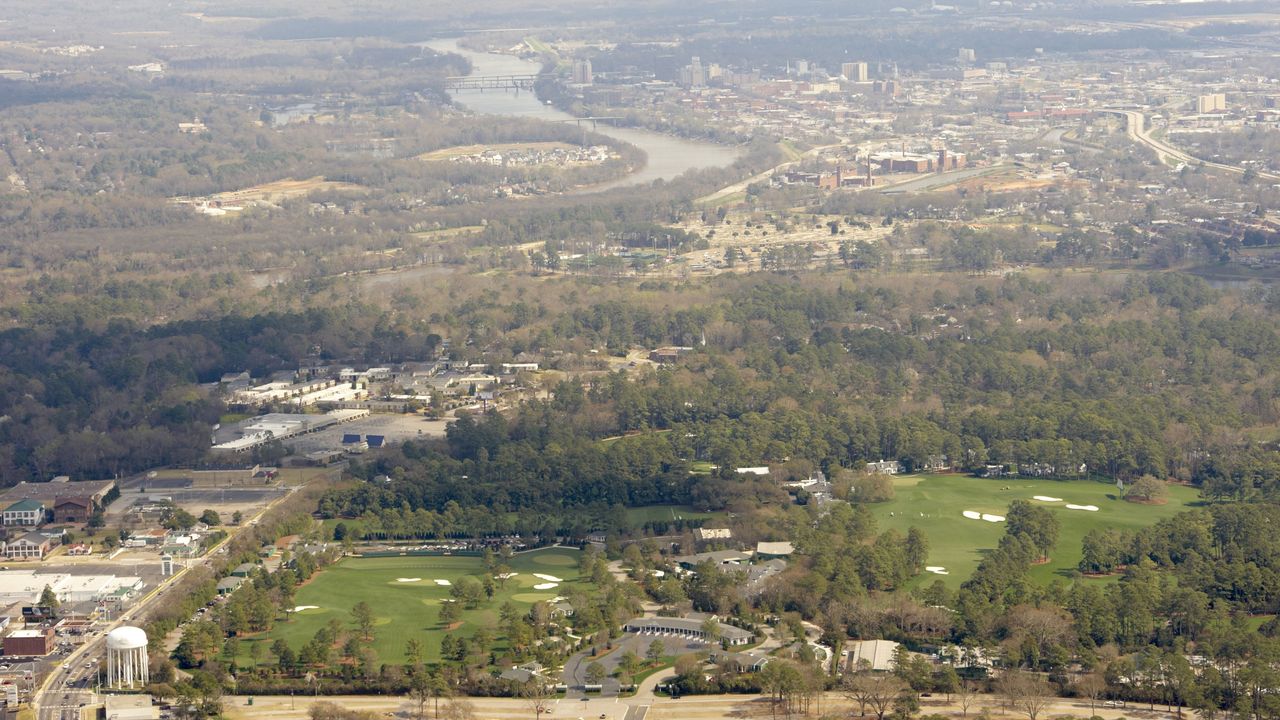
{"x":649,"y":513}
{"x":410,"y":608}
{"x":934,"y":503}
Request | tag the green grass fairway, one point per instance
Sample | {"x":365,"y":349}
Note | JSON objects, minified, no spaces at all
{"x":411,"y":609}
{"x":653,"y":513}
{"x":934,"y":504}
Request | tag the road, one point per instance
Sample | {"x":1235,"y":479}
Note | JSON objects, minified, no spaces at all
{"x":70,"y":684}
{"x":647,"y":707}
{"x":741,"y":186}
{"x":1135,"y":125}
{"x":933,"y":182}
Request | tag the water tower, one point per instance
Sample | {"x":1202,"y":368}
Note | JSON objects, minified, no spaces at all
{"x":127,"y":658}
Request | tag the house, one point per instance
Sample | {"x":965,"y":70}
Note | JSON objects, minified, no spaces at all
{"x":243,"y":570}
{"x":522,"y":674}
{"x":690,"y":628}
{"x":32,"y":545}
{"x":873,"y":655}
{"x":740,"y":662}
{"x":80,"y":549}
{"x":230,"y":584}
{"x":884,"y":467}
{"x":772,"y":550}
{"x":719,"y":557}
{"x":27,"y":512}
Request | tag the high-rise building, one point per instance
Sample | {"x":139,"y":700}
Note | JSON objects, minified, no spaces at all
{"x":854,"y":71}
{"x":967,"y":55}
{"x":802,"y":67}
{"x":694,"y":75}
{"x":582,"y":72}
{"x":1214,"y":103}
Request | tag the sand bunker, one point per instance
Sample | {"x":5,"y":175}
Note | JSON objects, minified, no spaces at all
{"x":442,"y":582}
{"x":548,"y":578}
{"x":300,"y":608}
{"x":972,"y":514}
{"x":545,"y":586}
{"x":992,"y":518}
{"x":1046,"y":498}
{"x":506,"y":576}
{"x":937,"y":570}
{"x":1090,"y":508}
{"x":408,"y":579}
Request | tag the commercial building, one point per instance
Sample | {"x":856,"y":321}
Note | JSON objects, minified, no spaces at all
{"x":28,"y":512}
{"x":33,"y":642}
{"x":1213,"y":103}
{"x":854,"y":71}
{"x":68,"y":501}
{"x":32,"y":546}
{"x":582,"y":74}
{"x":691,"y":628}
{"x":24,"y":587}
{"x":130,"y":707}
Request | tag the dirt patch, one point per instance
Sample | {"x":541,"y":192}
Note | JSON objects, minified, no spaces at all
{"x":283,"y":190}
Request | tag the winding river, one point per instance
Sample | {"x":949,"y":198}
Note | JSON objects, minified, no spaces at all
{"x":668,"y":156}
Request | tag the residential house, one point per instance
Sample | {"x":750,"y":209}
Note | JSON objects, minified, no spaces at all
{"x":884,"y":467}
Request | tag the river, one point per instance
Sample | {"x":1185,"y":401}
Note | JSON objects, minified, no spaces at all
{"x":668,"y":156}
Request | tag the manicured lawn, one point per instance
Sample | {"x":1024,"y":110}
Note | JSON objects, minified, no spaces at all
{"x":651,"y":513}
{"x":935,"y":503}
{"x":406,"y":599}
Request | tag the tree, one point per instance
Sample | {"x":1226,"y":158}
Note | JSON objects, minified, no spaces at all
{"x":1147,"y":489}
{"x":965,"y":695}
{"x":363,"y":618}
{"x":49,"y":599}
{"x":450,"y":613}
{"x":210,"y":517}
{"x":1091,"y":686}
{"x":1026,"y":693}
{"x":595,"y":673}
{"x":656,"y":650}
{"x":534,"y":693}
{"x":237,"y":517}
{"x":877,"y":690}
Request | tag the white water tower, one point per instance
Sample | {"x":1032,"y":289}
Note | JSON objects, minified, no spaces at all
{"x":127,"y":658}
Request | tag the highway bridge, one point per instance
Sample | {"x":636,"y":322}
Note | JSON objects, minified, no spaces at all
{"x":491,"y":82}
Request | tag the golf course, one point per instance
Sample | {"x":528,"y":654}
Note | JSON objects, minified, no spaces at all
{"x":937,"y":504}
{"x":406,"y":593}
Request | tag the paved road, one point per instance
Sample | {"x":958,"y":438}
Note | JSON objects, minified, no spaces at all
{"x":933,"y":182}
{"x":1135,"y":125}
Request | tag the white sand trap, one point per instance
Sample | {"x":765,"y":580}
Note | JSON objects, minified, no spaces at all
{"x":506,"y":576}
{"x":1046,"y":498}
{"x":408,"y":579}
{"x":300,"y":608}
{"x":1090,"y":508}
{"x":972,"y":514}
{"x":548,"y":578}
{"x":992,"y":518}
{"x":442,"y":582}
{"x":937,"y":570}
{"x":545,"y":586}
